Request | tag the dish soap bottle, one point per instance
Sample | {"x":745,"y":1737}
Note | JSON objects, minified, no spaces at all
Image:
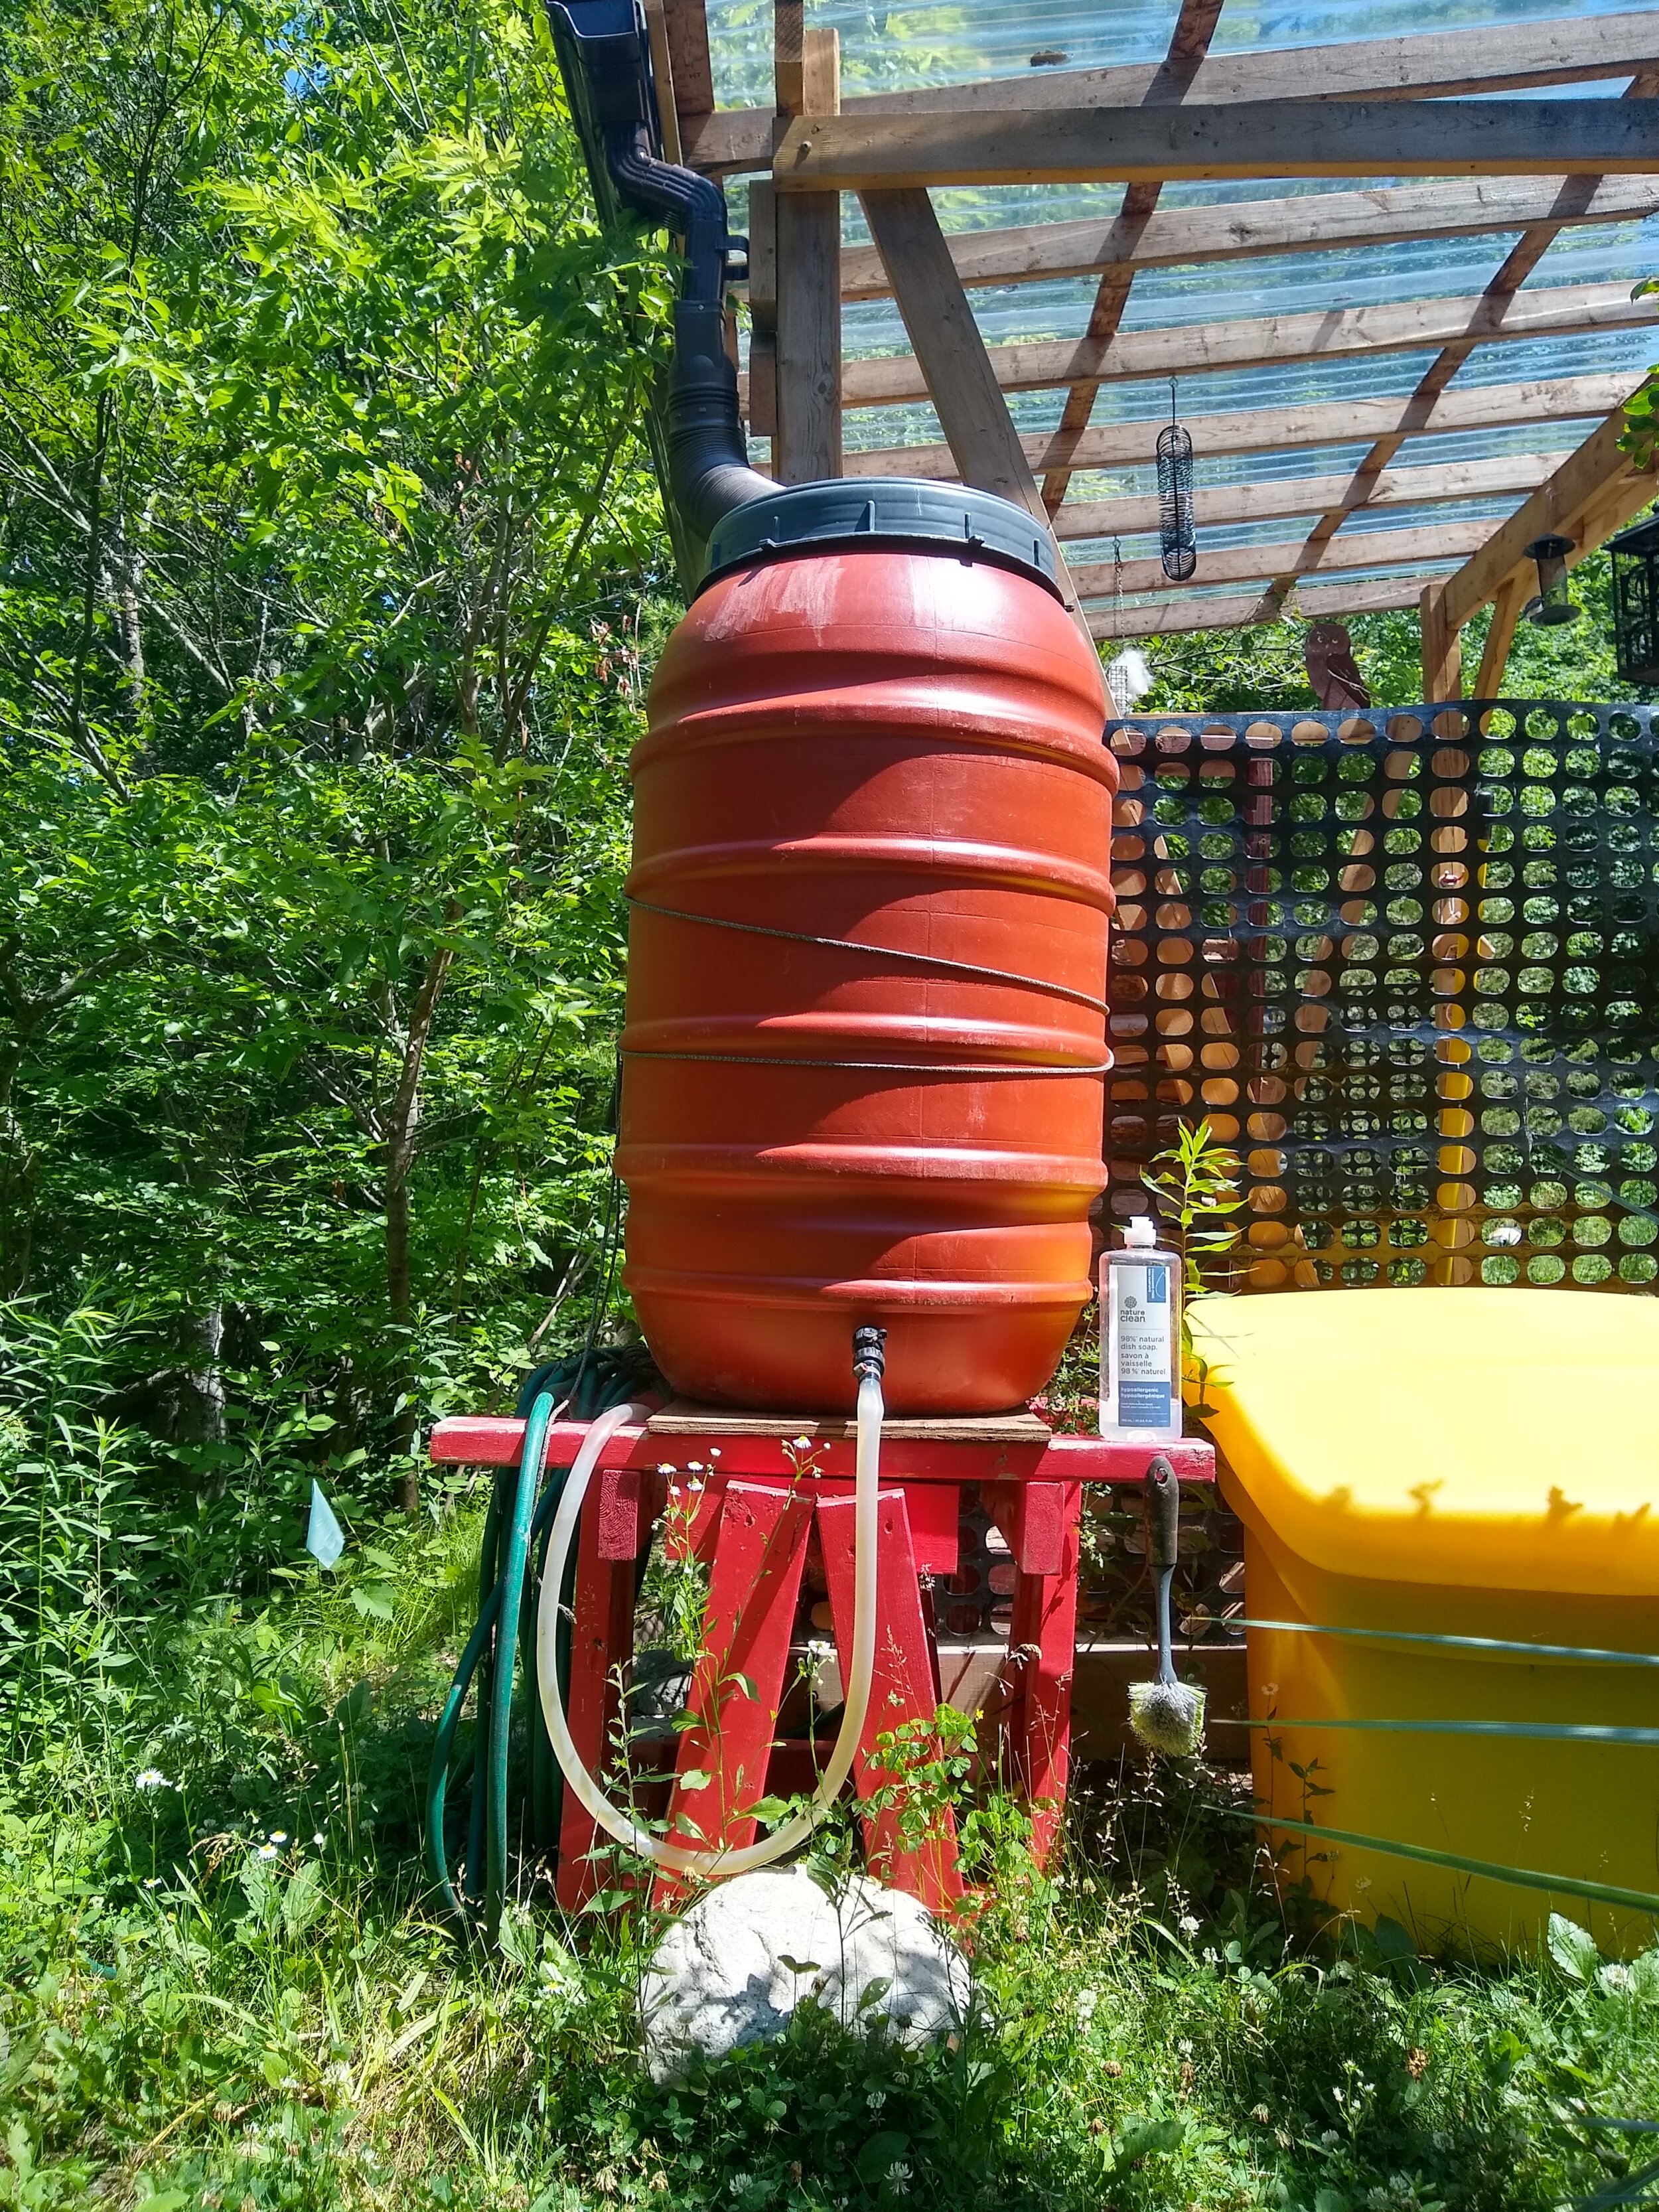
{"x":1140,"y":1340}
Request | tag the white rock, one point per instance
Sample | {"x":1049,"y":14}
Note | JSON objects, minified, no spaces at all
{"x":733,"y":1969}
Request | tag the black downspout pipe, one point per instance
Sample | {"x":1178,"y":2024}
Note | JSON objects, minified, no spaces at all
{"x":708,"y":471}
{"x":605,"y":59}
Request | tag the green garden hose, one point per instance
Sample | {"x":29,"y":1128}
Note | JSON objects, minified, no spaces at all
{"x":499,"y":1655}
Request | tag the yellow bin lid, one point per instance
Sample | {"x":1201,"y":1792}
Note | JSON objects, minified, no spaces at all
{"x":1493,"y":1439}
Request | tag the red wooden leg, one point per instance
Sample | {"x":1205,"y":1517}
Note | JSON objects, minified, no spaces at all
{"x":759,"y":1553}
{"x":1041,"y":1654}
{"x":601,"y":1643}
{"x":902,"y":1689}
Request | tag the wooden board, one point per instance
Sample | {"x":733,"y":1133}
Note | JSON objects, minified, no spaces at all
{"x":1277,"y":430}
{"x":1279,"y":497}
{"x":1581,"y":484}
{"x":1442,"y":659}
{"x":949,"y":351}
{"x":1181,"y":616}
{"x":1258,"y":340}
{"x":1246,"y":229}
{"x":1419,"y":65}
{"x":1369,"y":549}
{"x":681,"y":1418}
{"x":862,"y":153}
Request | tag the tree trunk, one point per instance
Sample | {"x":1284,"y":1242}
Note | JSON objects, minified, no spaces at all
{"x":401,"y":1126}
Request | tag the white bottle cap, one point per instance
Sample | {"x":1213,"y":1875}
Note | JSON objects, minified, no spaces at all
{"x":1141,"y":1233}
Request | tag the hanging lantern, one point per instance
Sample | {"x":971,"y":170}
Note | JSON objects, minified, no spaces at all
{"x":1174,"y":499}
{"x":1552,"y":605}
{"x":1636,"y":602}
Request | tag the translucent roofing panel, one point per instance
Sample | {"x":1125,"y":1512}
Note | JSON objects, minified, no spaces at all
{"x":899,"y":47}
{"x":1276,"y":307}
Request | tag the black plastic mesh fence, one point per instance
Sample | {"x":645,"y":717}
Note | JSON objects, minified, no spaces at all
{"x":1408,"y":964}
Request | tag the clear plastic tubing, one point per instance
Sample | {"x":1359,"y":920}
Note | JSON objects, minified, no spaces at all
{"x":717,"y":1865}
{"x":1140,"y":1340}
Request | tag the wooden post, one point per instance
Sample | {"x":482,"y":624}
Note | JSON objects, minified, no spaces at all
{"x":806,"y":439}
{"x":1505,"y":613}
{"x":1442,"y":658}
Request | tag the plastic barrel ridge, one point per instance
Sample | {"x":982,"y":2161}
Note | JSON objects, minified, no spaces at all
{"x":882,"y":747}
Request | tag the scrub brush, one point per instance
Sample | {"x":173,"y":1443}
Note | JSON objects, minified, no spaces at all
{"x":1166,"y":1715}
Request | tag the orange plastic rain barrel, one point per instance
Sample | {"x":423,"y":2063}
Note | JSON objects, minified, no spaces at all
{"x":865,"y":1043}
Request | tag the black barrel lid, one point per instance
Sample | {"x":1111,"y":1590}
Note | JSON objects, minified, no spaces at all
{"x":855,"y":510}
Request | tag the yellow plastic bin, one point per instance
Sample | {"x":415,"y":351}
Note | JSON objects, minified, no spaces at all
{"x":1463,"y":1462}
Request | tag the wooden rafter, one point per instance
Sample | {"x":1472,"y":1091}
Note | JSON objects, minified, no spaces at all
{"x":1522,"y":169}
{"x":1281,"y":498}
{"x":972,"y":411}
{"x":1370,"y":549}
{"x":1188,"y":43}
{"x":1260,"y":341}
{"x":1180,"y":615}
{"x":1279,"y":429}
{"x":1423,"y":65}
{"x":1596,"y":489}
{"x":1278,"y":138}
{"x":1573,"y":195}
{"x":1246,"y":229}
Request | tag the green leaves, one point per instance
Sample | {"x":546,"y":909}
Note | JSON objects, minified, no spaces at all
{"x":1573,"y":1948}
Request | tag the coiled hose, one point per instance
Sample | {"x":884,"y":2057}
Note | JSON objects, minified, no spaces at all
{"x":498,"y":1652}
{"x":552,"y":1647}
{"x":597,"y":1389}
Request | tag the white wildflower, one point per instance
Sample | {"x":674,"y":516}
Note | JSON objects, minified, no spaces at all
{"x":279,"y":1835}
{"x":1189,"y":1924}
{"x":319,"y":1839}
{"x":149,"y":1778}
{"x":802,"y":1443}
{"x":267,"y":1850}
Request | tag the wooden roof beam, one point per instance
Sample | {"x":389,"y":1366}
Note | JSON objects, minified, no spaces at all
{"x":1245,"y":229}
{"x":863,"y":153}
{"x":1572,"y":194}
{"x":1419,"y":65}
{"x":1179,"y":615}
{"x":1356,"y":550}
{"x":1257,"y":341}
{"x":1596,"y":489}
{"x":1279,"y":429}
{"x":1281,"y":498}
{"x":972,"y":411}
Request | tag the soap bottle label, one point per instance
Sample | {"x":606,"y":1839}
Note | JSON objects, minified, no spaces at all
{"x":1142,"y":1330}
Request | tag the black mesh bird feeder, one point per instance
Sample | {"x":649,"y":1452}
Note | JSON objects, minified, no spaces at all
{"x":1636,"y":601}
{"x":1178,"y":542}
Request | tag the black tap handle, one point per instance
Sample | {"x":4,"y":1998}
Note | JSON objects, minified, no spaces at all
{"x":1162,"y":1512}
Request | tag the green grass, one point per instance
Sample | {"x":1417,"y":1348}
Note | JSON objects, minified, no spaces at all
{"x":233,"y":1991}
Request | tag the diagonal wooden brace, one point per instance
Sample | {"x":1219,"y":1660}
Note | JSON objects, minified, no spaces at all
{"x":738,"y":1682}
{"x":904,"y":1689}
